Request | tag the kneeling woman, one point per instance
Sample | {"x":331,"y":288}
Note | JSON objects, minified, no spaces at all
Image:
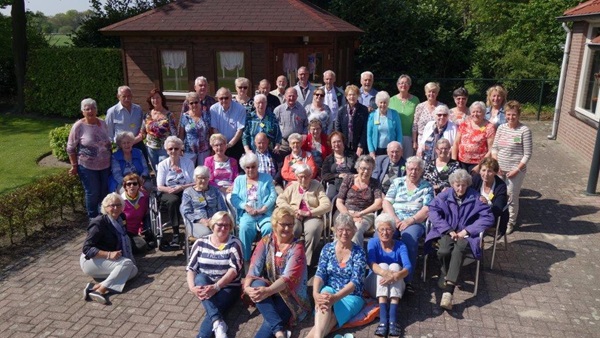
{"x":276,"y":280}
{"x":107,"y":252}
{"x":213,"y":273}
{"x":458,"y":216}
{"x":338,"y":283}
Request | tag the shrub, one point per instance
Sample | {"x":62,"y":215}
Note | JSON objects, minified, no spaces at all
{"x":59,"y":78}
{"x":58,"y":141}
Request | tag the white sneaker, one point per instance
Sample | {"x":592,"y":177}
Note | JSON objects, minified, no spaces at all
{"x":220,"y":329}
{"x":446,"y":302}
{"x":510,"y":229}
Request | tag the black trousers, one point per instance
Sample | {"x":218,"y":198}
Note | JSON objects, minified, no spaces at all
{"x":451,"y":255}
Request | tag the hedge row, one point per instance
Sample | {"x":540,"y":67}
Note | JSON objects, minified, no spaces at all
{"x":59,"y":78}
{"x":31,"y":207}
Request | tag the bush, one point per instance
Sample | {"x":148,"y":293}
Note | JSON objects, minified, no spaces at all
{"x":58,"y":141}
{"x":59,"y":78}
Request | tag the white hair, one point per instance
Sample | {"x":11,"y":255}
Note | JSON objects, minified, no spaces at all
{"x":88,"y":102}
{"x":247,"y":159}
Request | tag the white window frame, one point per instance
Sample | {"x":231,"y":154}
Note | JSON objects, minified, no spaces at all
{"x":183,"y":92}
{"x":586,"y":67}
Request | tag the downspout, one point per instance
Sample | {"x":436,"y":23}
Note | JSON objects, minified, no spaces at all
{"x":561,"y":82}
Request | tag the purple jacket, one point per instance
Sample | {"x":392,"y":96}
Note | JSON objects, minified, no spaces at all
{"x":473,"y":215}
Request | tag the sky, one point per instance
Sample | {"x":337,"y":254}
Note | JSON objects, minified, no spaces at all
{"x":52,"y":7}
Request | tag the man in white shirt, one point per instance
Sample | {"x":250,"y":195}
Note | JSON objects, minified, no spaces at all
{"x":304,"y":88}
{"x":126,"y":116}
{"x":282,"y":84}
{"x":229,"y":118}
{"x":334,"y":97}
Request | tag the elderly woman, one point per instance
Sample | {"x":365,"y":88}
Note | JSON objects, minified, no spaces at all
{"x":128,"y":160}
{"x":107,"y":252}
{"x":158,"y":124}
{"x":389,"y":262}
{"x":474,"y":139}
{"x":89,"y":149}
{"x":407,"y":200}
{"x":424,"y":112}
{"x":438,"y":170}
{"x":213,"y":273}
{"x":360,"y":196}
{"x":194,"y":130}
{"x":496,"y":97}
{"x":405,"y":104}
{"x":512,"y":148}
{"x":276,"y":280}
{"x":318,"y":110}
{"x":200,"y":202}
{"x":457,"y":217}
{"x":383,"y":127}
{"x":352,"y":122}
{"x":254,"y":197}
{"x":338,"y":283}
{"x":492,"y":190}
{"x":337,"y":165}
{"x":222,"y":169}
{"x":135,"y":209}
{"x":439,"y":128}
{"x":297,"y":156}
{"x":308,"y":199}
{"x":174,"y":174}
{"x":459,"y":113}
{"x":316,"y":142}
{"x":243,"y":87}
{"x":261,"y":121}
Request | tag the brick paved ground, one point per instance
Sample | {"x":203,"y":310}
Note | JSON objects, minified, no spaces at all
{"x":544,"y":285}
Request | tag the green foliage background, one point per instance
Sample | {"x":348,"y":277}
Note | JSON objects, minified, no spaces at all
{"x":59,"y":78}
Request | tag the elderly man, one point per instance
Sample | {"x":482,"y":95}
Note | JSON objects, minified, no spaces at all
{"x":279,"y":92}
{"x":264,"y":87}
{"x":334,"y":97}
{"x":390,"y":166}
{"x":292,"y":119}
{"x":261,"y":120}
{"x":229,"y":118}
{"x":126,"y":116}
{"x":267,"y":161}
{"x":367,"y":92}
{"x":304,"y":89}
{"x":206,"y":101}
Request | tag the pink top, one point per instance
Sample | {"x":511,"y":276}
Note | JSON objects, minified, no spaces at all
{"x":91,"y":144}
{"x":134,"y":211}
{"x":222,"y":174}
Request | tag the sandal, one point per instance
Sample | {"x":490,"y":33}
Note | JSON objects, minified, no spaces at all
{"x":395,"y":330}
{"x":382,"y":330}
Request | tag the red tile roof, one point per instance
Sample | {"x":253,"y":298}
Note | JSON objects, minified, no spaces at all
{"x":235,"y":16}
{"x":586,"y":8}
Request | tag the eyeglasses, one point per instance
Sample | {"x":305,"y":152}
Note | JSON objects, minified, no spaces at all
{"x":224,"y":98}
{"x":364,"y":168}
{"x":319,"y":95}
{"x":382,"y":230}
{"x":286,"y":225}
{"x":114,"y":205}
{"x":129,"y":184}
{"x":343,"y":231}
{"x":194,"y":102}
{"x":171,"y":149}
{"x":222,"y":225}
{"x":242,"y":87}
{"x":250,"y":167}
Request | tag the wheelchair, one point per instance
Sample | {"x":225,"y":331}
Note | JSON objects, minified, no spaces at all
{"x":156,"y":225}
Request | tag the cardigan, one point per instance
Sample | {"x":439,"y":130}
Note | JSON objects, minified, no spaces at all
{"x":266,"y":193}
{"x":118,"y":165}
{"x":499,"y":201}
{"x":394,"y":128}
{"x":314,"y":197}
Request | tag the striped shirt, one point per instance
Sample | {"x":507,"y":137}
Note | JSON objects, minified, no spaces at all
{"x":512,"y":146}
{"x":214,"y":262}
{"x":407,"y":203}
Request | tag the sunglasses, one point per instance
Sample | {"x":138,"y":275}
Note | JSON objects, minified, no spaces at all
{"x":115,"y":205}
{"x":194,"y":102}
{"x":131,"y":184}
{"x":319,"y":95}
{"x":242,"y":87}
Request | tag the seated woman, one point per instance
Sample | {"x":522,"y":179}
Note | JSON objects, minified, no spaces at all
{"x":276,"y":280}
{"x":254,"y":197}
{"x":213,"y":273}
{"x":407,"y":201}
{"x":458,"y":217}
{"x":434,"y":130}
{"x":389,"y":262}
{"x":297,"y":156}
{"x":128,"y":160}
{"x":338,"y":283}
{"x":438,"y":170}
{"x":136,"y":214}
{"x":174,"y":174}
{"x":337,"y":165}
{"x":200,"y":202}
{"x":493,"y":190}
{"x":316,"y":142}
{"x":360,"y":196}
{"x":307,"y":198}
{"x":222,"y":168}
{"x":107,"y":252}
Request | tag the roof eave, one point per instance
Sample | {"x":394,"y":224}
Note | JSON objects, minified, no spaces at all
{"x":580,"y":17}
{"x":237,"y":33}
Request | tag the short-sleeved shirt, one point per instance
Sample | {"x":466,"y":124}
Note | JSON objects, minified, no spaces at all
{"x":474,"y":142}
{"x":398,"y":255}
{"x":336,"y":276}
{"x":119,"y":119}
{"x":228,"y":122}
{"x":356,"y":199}
{"x":157,"y":131}
{"x":196,"y":133}
{"x":292,"y":119}
{"x":215,"y":262}
{"x":91,"y":144}
{"x":407,"y":203}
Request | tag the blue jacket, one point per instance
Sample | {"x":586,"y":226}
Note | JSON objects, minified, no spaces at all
{"x":394,"y":128}
{"x":118,"y":165}
{"x":501,"y":116}
{"x":382,"y":162}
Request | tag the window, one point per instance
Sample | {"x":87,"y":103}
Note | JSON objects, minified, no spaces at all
{"x":589,"y":83}
{"x":174,"y":70}
{"x":230,"y":65}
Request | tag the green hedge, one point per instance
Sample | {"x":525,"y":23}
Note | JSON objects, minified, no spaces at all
{"x":58,"y":141}
{"x":59,"y":78}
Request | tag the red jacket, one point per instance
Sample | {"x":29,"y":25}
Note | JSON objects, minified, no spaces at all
{"x":325,"y":148}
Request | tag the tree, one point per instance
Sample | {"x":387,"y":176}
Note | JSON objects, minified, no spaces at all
{"x":19,"y":45}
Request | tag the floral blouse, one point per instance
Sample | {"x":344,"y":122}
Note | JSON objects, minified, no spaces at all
{"x":473,"y":142}
{"x":157,"y":131}
{"x":356,"y":199}
{"x":438,"y":177}
{"x":407,"y":203}
{"x":336,"y":276}
{"x":196,"y":133}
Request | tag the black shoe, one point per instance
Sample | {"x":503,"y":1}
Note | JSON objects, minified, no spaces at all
{"x":395,"y":330}
{"x":175,"y":241}
{"x":382,"y":330}
{"x":99,"y":297}
{"x":87,"y":290}
{"x":409,"y":289}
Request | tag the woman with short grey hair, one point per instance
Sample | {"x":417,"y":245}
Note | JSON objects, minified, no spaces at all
{"x":297,"y":156}
{"x":383,"y":126}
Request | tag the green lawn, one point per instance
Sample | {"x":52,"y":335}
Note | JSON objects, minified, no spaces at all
{"x":59,"y":40}
{"x":23,"y":140}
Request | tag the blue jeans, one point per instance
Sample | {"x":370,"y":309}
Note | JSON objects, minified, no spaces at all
{"x":95,"y":186}
{"x":156,"y":155}
{"x":216,"y":305}
{"x":410,"y":238}
{"x":275,"y":312}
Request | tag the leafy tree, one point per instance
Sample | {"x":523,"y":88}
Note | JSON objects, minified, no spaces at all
{"x":19,"y":46}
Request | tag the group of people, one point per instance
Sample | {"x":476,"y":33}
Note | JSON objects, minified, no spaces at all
{"x":282,"y":160}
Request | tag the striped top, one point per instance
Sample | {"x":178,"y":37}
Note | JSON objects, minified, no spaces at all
{"x":214,"y":262}
{"x":512,"y":146}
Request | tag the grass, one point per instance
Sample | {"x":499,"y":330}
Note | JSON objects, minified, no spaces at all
{"x":24,"y":140}
{"x":59,"y":40}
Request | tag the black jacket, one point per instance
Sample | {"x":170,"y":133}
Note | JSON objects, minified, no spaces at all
{"x":359,"y":127}
{"x":102,"y":235}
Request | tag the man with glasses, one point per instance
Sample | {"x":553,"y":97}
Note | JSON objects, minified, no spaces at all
{"x":390,"y":166}
{"x":126,"y":116}
{"x":292,"y":119}
{"x":229,"y":118}
{"x":304,"y":88}
{"x":206,"y":101}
